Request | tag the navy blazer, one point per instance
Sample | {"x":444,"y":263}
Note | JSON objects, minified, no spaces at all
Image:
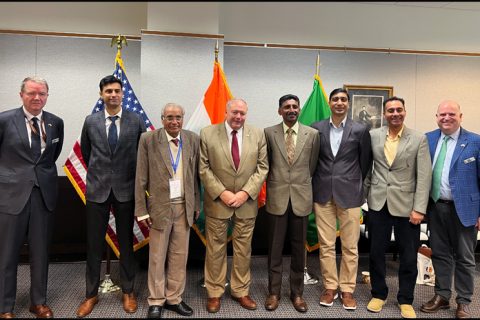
{"x":18,"y":170}
{"x":107,"y":171}
{"x":464,"y":177}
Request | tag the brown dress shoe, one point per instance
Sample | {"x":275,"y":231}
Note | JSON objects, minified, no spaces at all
{"x":86,"y":307}
{"x":348,"y":301}
{"x":41,"y":311}
{"x":246,"y":302}
{"x":299,"y":304}
{"x":7,"y":315}
{"x":272,"y":302}
{"x":436,"y":303}
{"x":129,"y":302}
{"x":213,"y":305}
{"x":463,"y":312}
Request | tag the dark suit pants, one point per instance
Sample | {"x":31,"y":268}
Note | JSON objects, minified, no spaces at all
{"x":278,"y":226}
{"x":407,"y":239}
{"x":453,"y":253}
{"x":34,"y":222}
{"x":97,"y":221}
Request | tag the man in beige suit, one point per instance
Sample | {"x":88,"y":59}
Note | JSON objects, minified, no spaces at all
{"x":167,"y":197}
{"x":398,"y":190}
{"x":292,"y":157}
{"x":233,"y":166}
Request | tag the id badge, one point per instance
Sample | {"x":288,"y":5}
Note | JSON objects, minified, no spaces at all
{"x":175,"y":188}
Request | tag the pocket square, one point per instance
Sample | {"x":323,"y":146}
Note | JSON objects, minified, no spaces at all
{"x":55,"y":140}
{"x":471,"y":159}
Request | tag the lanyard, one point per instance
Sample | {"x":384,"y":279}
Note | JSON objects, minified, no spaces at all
{"x":177,"y":161}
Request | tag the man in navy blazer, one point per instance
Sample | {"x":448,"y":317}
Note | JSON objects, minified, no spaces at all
{"x":30,"y":142}
{"x":454,"y":217}
{"x":109,"y":143}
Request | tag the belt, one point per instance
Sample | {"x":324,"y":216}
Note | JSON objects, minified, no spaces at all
{"x":445,"y":201}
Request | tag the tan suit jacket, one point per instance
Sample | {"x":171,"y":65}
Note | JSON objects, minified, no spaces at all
{"x":294,"y":182}
{"x":217,"y":171}
{"x":154,"y":169}
{"x":405,"y":185}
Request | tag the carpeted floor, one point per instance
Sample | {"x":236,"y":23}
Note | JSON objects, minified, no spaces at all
{"x":67,"y":286}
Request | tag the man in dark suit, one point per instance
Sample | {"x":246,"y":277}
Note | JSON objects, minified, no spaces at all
{"x":454,"y":209}
{"x":167,"y":170}
{"x":292,"y":150}
{"x":109,"y":142}
{"x":343,"y":163}
{"x":30,"y":142}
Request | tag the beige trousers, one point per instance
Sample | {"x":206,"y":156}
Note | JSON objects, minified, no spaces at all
{"x":349,"y":220}
{"x":216,"y":256}
{"x":167,"y":262}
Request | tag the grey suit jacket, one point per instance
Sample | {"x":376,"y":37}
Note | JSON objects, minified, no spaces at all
{"x":217,"y":171}
{"x":291,"y":182}
{"x":405,"y":185}
{"x":341,"y":177}
{"x":18,"y":171}
{"x":154,"y":169}
{"x":107,"y":171}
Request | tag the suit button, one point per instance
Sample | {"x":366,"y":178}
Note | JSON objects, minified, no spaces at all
{"x":388,"y":185}
{"x":389,"y":169}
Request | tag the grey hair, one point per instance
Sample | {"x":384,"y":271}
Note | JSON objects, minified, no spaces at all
{"x":33,"y":79}
{"x":172,"y":105}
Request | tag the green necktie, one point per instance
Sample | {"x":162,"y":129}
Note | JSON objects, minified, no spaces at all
{"x":437,"y":170}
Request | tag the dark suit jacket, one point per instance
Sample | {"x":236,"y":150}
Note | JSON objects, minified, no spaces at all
{"x":154,"y":168}
{"x":18,"y":171}
{"x":341,"y":177}
{"x":107,"y":171}
{"x":291,"y":182}
{"x":464,"y":177}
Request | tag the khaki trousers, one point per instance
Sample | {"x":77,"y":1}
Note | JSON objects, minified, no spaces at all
{"x":216,"y":256}
{"x":167,"y":262}
{"x":349,"y":219}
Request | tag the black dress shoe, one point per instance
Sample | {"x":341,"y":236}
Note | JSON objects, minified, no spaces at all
{"x":154,"y":312}
{"x":181,"y":308}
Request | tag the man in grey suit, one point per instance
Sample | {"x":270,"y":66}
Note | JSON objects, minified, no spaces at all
{"x":109,"y":142}
{"x":167,"y":171}
{"x":233,"y":166}
{"x":30,"y":142}
{"x":343,"y":163}
{"x":398,"y":189}
{"x":292,"y":150}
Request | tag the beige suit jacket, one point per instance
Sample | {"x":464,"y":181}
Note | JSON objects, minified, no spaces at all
{"x":405,"y":185}
{"x":291,"y":182}
{"x":154,"y":169}
{"x":217,"y":171}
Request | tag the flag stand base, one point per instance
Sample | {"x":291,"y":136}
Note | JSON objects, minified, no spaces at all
{"x":107,"y":285}
{"x":309,"y":279}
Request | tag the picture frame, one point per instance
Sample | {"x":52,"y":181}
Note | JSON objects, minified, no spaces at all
{"x":366,"y":104}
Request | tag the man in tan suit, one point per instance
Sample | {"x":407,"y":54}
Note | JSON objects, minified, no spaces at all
{"x":167,"y":197}
{"x":233,"y":166}
{"x":292,"y":157}
{"x":398,"y":189}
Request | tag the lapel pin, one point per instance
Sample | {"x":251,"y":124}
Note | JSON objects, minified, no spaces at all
{"x":49,"y":124}
{"x":462,"y":145}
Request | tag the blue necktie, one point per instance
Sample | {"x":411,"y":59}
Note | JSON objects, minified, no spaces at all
{"x":437,"y":170}
{"x":112,"y":134}
{"x":35,"y":146}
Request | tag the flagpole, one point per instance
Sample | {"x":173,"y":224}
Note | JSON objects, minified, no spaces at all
{"x":107,"y":285}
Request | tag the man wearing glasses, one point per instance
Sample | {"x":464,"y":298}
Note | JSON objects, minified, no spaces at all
{"x":30,"y":142}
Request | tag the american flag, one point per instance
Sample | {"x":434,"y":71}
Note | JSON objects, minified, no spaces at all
{"x":76,"y":170}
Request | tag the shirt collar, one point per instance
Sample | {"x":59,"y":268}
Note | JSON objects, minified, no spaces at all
{"x":29,"y":116}
{"x":294,"y":127}
{"x":229,"y":129}
{"x":170,"y":138}
{"x":399,"y":134}
{"x":454,"y":135}
{"x":119,"y":114}
{"x":342,"y":124}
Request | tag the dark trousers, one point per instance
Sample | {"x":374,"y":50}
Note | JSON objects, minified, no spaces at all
{"x":453,"y":252}
{"x":34,"y":223}
{"x":278,"y":226}
{"x":97,"y":222}
{"x":407,"y":238}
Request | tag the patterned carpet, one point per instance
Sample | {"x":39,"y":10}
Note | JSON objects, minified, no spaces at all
{"x":67,"y":286}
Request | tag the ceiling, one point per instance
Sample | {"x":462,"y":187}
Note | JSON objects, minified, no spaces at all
{"x":453,"y":5}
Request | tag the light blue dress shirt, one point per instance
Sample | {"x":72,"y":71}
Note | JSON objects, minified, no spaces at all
{"x":445,"y":192}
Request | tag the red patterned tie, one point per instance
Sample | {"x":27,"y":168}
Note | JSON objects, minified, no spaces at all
{"x":235,"y":153}
{"x":175,"y":141}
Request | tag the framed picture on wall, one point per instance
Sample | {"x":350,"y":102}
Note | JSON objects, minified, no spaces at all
{"x":366,"y":104}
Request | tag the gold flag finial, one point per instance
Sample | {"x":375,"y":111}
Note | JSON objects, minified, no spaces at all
{"x":119,"y":40}
{"x":216,"y":51}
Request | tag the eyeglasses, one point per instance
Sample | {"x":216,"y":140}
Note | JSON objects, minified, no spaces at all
{"x":34,"y":94}
{"x":172,"y":118}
